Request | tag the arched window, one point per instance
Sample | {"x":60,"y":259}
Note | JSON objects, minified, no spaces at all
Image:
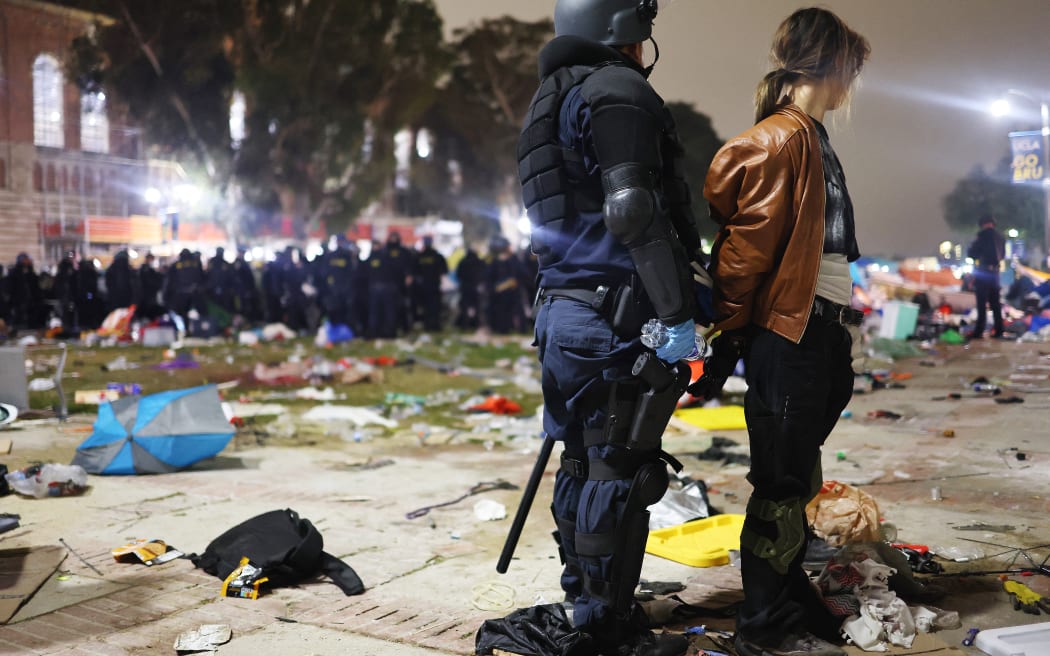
{"x":38,"y":177}
{"x":3,"y":174}
{"x":89,"y":181}
{"x":52,"y":184}
{"x":94,"y":123}
{"x":47,"y":102}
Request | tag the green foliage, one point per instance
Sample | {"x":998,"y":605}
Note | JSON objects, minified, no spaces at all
{"x":1012,"y":205}
{"x":477,"y":117}
{"x":326,"y":84}
{"x":701,"y":142}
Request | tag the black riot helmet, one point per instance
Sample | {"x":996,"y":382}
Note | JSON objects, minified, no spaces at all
{"x":612,"y":22}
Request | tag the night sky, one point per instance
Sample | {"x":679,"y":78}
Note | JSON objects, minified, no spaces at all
{"x":919,"y":121}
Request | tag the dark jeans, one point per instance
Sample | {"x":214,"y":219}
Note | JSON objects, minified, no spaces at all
{"x":581,"y":357}
{"x":795,"y":395}
{"x":986,"y":288}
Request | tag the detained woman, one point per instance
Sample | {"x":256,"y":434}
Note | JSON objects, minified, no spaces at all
{"x":782,"y":291}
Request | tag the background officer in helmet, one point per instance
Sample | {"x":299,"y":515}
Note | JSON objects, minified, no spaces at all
{"x":599,"y":162}
{"x":338,"y":281}
{"x":503,"y":283}
{"x":430,"y":268}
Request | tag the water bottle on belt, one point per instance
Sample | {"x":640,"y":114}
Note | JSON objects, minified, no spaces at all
{"x":655,"y":335}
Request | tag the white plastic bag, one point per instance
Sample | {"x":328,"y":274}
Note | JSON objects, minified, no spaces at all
{"x":50,"y":480}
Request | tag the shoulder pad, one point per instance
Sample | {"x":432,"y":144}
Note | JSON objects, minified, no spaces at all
{"x":621,"y":85}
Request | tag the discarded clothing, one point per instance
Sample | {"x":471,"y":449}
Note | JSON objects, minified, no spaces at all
{"x":537,"y":630}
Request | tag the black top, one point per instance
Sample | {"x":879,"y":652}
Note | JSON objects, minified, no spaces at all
{"x":840,"y":234}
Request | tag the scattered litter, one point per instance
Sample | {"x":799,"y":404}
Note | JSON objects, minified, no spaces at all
{"x":1029,"y":639}
{"x":1009,"y":399}
{"x":356,"y":415}
{"x":497,"y":405}
{"x":986,"y":528}
{"x":281,"y":374}
{"x":8,"y":413}
{"x":492,"y":596}
{"x":884,"y":414}
{"x":726,"y":417}
{"x":204,"y":638}
{"x":246,"y":410}
{"x":680,"y":505}
{"x":1026,"y":599}
{"x":156,"y":434}
{"x":94,"y":397}
{"x":277,"y":331}
{"x":48,"y":480}
{"x":727,"y":451}
{"x":314,"y":394}
{"x":703,"y":543}
{"x":182,"y":360}
{"x":147,"y":552}
{"x":841,"y":514}
{"x":484,"y":486}
{"x":41,"y":385}
{"x":488,"y":510}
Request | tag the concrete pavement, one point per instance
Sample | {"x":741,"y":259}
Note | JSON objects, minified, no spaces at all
{"x":430,"y":580}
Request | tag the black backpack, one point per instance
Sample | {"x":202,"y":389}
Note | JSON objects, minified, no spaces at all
{"x":286,"y":547}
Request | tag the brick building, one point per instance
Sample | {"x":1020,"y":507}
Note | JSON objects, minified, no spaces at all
{"x":67,"y":159}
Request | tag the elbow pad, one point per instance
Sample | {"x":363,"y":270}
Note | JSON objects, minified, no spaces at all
{"x":633,"y":215}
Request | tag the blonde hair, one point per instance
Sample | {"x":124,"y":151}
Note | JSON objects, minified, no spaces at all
{"x":812,"y":44}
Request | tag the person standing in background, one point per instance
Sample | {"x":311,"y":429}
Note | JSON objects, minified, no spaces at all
{"x":987,"y":251}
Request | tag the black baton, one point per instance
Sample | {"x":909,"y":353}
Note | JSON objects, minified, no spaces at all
{"x":526,"y":504}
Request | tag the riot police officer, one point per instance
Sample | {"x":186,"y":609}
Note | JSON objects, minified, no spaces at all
{"x":469,"y":274}
{"x":388,"y":281}
{"x":219,"y":278}
{"x":120,"y":281}
{"x":599,"y":161}
{"x":184,"y":282}
{"x":430,"y":267}
{"x":151,"y":282}
{"x":338,"y":282}
{"x":503,"y":284}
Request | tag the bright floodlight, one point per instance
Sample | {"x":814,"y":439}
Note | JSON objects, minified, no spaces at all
{"x":1012,"y":233}
{"x":524,"y":225}
{"x":187,"y":193}
{"x":1000,"y":107}
{"x":152,"y":195}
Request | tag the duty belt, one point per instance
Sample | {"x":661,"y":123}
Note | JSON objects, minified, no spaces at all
{"x":837,"y":313}
{"x":596,"y":299}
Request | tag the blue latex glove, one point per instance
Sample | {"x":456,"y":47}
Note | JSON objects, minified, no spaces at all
{"x":680,"y":343}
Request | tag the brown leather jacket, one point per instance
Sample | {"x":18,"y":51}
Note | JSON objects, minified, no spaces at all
{"x":766,"y":190}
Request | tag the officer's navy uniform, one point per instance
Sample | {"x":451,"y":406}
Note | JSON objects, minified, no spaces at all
{"x":388,"y":272}
{"x":469,"y":274}
{"x":614,"y":137}
{"x":430,"y":266}
{"x":338,"y":285}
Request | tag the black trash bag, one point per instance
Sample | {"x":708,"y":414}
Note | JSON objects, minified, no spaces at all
{"x":287,"y":548}
{"x":534,"y":631}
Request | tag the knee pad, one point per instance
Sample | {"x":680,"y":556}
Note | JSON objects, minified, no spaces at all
{"x":789,"y":521}
{"x":625,"y":544}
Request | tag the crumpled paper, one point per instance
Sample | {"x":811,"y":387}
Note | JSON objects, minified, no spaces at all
{"x":843,"y":514}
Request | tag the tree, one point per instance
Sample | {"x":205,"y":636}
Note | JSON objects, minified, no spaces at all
{"x":700,"y":142}
{"x":477,"y":118}
{"x":1012,"y":205}
{"x":326,"y":84}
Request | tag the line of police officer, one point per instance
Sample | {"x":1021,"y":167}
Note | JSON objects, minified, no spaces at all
{"x":388,"y":293}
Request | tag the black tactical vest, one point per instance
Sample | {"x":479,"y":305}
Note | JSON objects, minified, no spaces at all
{"x":548,"y":171}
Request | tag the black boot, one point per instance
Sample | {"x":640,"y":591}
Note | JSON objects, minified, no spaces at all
{"x":648,"y":644}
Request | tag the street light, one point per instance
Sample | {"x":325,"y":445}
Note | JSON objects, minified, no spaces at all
{"x":1001,"y":107}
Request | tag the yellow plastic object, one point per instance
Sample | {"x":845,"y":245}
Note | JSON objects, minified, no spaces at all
{"x":726,"y":417}
{"x":701,"y":543}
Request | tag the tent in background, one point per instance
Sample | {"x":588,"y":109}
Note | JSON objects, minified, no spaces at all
{"x":156,"y":434}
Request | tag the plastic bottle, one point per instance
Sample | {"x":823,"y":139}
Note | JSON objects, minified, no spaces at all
{"x":655,"y":334}
{"x":986,"y":387}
